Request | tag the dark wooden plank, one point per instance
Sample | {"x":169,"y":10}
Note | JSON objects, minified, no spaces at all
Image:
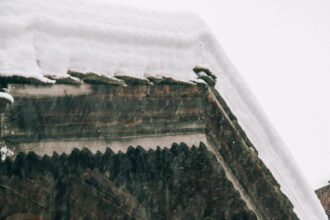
{"x":103,"y":111}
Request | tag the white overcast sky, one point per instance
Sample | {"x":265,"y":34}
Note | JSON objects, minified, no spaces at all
{"x":282,"y":49}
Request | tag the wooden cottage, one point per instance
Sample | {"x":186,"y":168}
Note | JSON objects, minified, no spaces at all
{"x":111,"y":112}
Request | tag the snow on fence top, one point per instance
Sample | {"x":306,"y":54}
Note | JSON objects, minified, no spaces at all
{"x":46,"y":38}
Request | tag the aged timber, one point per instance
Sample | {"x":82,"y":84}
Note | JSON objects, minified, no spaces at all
{"x":324,"y":196}
{"x":102,"y":112}
{"x":175,"y":183}
{"x":58,"y":118}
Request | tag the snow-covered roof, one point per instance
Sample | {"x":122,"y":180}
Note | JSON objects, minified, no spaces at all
{"x":48,"y":38}
{"x":41,"y":38}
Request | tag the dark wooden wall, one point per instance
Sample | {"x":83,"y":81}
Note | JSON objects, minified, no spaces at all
{"x":40,"y":114}
{"x":103,"y":111}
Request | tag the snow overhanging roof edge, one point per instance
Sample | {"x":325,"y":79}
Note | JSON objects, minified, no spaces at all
{"x":42,"y":39}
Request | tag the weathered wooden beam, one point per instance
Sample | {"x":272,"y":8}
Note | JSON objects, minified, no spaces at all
{"x":91,"y":111}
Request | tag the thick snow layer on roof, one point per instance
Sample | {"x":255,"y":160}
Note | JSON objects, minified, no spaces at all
{"x":40,"y":38}
{"x":48,"y":38}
